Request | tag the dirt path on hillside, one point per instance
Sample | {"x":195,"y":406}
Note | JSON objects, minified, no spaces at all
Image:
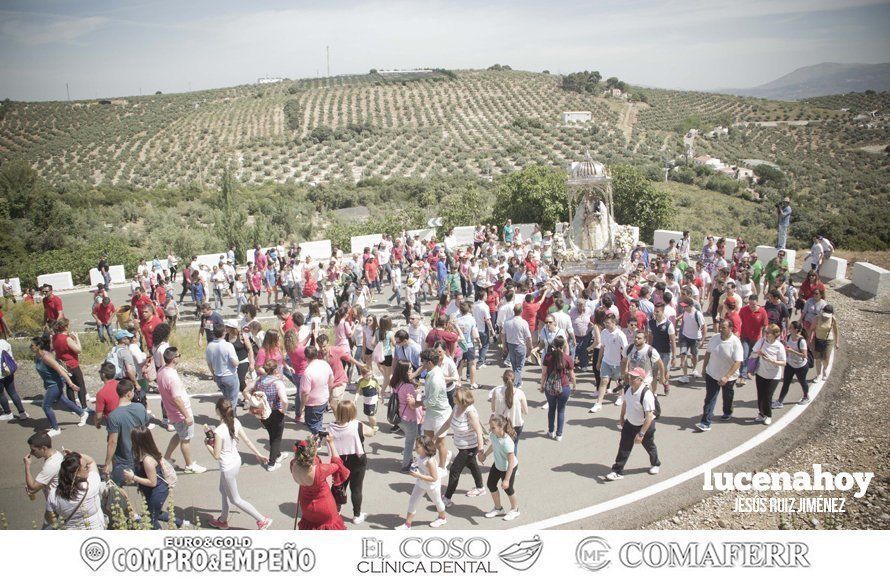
{"x":627,"y":120}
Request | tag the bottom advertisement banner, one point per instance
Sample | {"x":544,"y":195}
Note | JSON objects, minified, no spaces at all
{"x":566,"y":553}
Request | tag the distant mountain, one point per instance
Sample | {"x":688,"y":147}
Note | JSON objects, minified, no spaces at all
{"x":821,"y":80}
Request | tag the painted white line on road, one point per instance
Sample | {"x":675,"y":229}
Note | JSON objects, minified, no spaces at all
{"x":627,"y":499}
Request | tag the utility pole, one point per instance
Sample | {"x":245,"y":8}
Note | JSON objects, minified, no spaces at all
{"x":68,"y":92}
{"x":328,"y":49}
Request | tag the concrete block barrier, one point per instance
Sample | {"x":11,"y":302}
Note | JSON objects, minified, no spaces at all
{"x":59,"y":281}
{"x":871,"y":279}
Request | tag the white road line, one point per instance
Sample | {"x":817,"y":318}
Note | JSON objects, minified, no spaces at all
{"x":626,"y":499}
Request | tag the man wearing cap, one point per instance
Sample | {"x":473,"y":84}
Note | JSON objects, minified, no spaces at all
{"x":722,"y":362}
{"x":637,"y":425}
{"x":783,"y":213}
{"x":122,"y":357}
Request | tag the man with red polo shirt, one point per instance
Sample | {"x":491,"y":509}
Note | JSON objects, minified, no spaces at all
{"x":102,"y":312}
{"x":754,"y":321}
{"x":147,"y":323}
{"x":52,"y":306}
{"x":138,"y":301}
{"x":336,"y":357}
{"x":107,"y":398}
{"x":439,"y":333}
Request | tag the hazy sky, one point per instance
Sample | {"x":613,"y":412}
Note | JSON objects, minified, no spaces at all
{"x":173,"y":46}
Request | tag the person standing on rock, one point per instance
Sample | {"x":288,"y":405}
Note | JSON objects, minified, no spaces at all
{"x":722,"y":362}
{"x":783,"y":214}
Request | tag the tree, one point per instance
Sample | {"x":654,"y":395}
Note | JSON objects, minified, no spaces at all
{"x":17,"y":183}
{"x":468,"y":206}
{"x":536,"y":194}
{"x":637,"y":202}
{"x":769,"y":175}
{"x":586,"y":82}
{"x":230,"y":216}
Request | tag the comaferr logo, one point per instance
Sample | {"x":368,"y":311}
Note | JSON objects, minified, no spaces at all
{"x":593,"y":553}
{"x":817,"y":480}
{"x":714,"y":555}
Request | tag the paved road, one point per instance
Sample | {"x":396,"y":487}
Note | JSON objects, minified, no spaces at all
{"x":553,"y":477}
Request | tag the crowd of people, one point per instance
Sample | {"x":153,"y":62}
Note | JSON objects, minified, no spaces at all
{"x":719,"y":317}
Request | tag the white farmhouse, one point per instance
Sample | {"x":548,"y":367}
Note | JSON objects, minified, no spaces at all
{"x":576,"y":116}
{"x":269,"y":80}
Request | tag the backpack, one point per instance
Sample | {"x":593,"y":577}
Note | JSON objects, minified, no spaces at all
{"x":553,"y":385}
{"x":393,"y":415}
{"x":114,"y":359}
{"x":8,"y":365}
{"x":657,"y":412}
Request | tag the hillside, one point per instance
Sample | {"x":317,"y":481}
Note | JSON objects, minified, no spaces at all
{"x":372,"y":128}
{"x":820,"y":80}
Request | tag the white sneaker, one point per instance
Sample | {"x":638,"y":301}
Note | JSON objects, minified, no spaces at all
{"x":683,"y":379}
{"x":83,"y":419}
{"x":151,"y":426}
{"x":551,"y":435}
{"x":612,"y":476}
{"x":474,"y":386}
{"x":438,"y":522}
{"x":6,"y":417}
{"x":360,"y":518}
{"x":767,"y":420}
{"x":620,"y":401}
{"x":54,"y":432}
{"x":596,"y":407}
{"x":696,"y":373}
{"x":559,"y":438}
{"x":494,"y":512}
{"x":654,"y":470}
{"x":402,"y":527}
{"x":194,"y":468}
{"x":281,"y":457}
{"x":273,"y":467}
{"x":168,"y":426}
{"x":511,"y":515}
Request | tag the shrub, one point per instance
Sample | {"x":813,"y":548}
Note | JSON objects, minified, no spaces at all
{"x":23,"y":317}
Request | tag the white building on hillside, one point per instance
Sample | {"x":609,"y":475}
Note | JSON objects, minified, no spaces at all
{"x":576,"y":116}
{"x":712,"y":162}
{"x":269,"y":80}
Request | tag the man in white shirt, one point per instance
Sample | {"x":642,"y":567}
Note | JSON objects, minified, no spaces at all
{"x":40,"y":446}
{"x":482,"y":315}
{"x":722,"y":362}
{"x":637,"y":425}
{"x":612,"y":343}
{"x":506,"y":309}
{"x":516,"y":339}
{"x":564,"y":322}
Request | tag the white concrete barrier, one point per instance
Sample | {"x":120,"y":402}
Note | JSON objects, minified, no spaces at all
{"x":358,"y":244}
{"x":424,"y":234}
{"x":248,"y":254}
{"x":730,"y":245}
{"x":662,"y":238}
{"x":116,"y":271}
{"x":318,"y":250}
{"x":463,"y":236}
{"x":59,"y":281}
{"x":526,"y":230}
{"x":870,"y":278}
{"x":211,"y":259}
{"x":834,"y":268}
{"x":766,"y":254}
{"x":16,"y":286}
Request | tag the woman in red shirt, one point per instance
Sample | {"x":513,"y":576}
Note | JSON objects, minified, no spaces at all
{"x":67,"y":348}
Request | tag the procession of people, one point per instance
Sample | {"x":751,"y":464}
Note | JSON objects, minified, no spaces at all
{"x":328,"y":373}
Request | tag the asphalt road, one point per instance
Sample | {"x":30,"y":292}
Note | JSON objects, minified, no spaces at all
{"x":553,"y":477}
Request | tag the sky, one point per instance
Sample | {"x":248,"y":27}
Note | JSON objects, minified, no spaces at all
{"x":104,"y":49}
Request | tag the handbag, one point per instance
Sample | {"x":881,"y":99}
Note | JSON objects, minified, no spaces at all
{"x":8,"y":365}
{"x":377,"y":354}
{"x":339,"y":493}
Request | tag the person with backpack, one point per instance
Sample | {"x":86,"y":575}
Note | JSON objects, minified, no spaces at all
{"x":824,"y":339}
{"x":663,"y":337}
{"x":125,"y":364}
{"x":637,"y":425}
{"x":641,"y":354}
{"x":722,"y":361}
{"x":798,"y":363}
{"x":153,"y":475}
{"x":8,"y":367}
{"x":692,"y":332}
{"x":558,"y":382}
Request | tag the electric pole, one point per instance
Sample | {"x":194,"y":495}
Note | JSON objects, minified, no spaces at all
{"x":328,"y":49}
{"x":68,"y":92}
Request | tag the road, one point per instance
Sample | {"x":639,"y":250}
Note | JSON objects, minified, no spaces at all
{"x":553,"y":478}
